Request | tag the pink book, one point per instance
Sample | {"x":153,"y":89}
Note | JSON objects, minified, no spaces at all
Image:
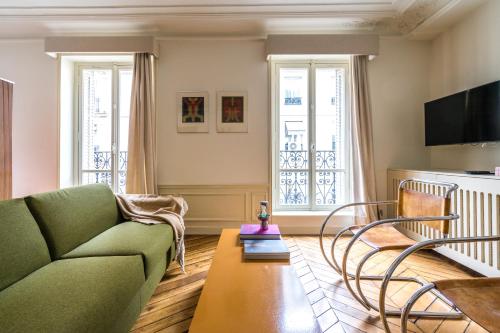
{"x":254,"y":231}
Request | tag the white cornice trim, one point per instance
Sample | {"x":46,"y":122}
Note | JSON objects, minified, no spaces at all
{"x":428,"y":30}
{"x":228,"y":15}
{"x":342,"y":4}
{"x":278,"y":10}
{"x":435,"y":16}
{"x":413,"y":18}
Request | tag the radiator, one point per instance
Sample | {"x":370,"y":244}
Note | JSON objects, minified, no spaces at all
{"x":477,"y":201}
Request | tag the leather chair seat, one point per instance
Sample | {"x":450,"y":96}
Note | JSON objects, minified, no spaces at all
{"x":385,"y":238}
{"x":478,"y":299}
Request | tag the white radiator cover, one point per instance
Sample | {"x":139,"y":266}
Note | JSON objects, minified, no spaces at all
{"x":477,"y":201}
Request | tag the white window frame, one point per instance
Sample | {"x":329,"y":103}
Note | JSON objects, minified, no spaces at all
{"x":115,"y":67}
{"x":311,"y":65}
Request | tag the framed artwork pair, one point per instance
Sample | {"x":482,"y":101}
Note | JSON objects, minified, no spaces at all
{"x":193,"y":112}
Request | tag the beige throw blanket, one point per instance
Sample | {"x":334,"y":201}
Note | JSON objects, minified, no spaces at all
{"x":154,"y":209}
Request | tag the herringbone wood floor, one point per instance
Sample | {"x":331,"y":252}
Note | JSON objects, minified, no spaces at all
{"x":172,"y":306}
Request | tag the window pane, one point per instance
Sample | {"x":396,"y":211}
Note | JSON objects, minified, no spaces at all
{"x":125,"y":88}
{"x":330,"y":135}
{"x":293,"y":136}
{"x":96,"y":126}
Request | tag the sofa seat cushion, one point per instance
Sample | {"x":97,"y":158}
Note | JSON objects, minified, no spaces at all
{"x":72,"y":216}
{"x":152,"y":242}
{"x":22,"y":247}
{"x":73,"y":295}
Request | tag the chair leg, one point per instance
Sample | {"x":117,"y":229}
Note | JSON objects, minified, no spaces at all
{"x":334,"y":261}
{"x":346,"y":277}
{"x":361,"y":298}
{"x":409,"y":305}
{"x":416,"y":314}
{"x":358,"y":277}
{"x":334,"y":264}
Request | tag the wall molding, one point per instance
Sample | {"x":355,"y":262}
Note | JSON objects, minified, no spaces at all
{"x":215,"y":207}
{"x":212,"y":207}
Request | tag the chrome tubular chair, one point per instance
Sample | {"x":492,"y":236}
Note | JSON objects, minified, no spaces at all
{"x":478,"y":298}
{"x":412,"y":207}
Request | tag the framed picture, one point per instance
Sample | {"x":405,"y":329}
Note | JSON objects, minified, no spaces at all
{"x":232,"y":111}
{"x":192,"y":111}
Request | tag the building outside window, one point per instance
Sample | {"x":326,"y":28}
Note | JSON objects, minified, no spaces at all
{"x":104,"y":92}
{"x":310,"y":150}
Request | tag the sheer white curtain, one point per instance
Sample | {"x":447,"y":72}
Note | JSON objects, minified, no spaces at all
{"x":141,"y":165}
{"x":363,"y":165}
{"x":6,"y":90}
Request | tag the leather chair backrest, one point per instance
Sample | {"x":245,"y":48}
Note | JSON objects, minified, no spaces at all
{"x":417,"y":204}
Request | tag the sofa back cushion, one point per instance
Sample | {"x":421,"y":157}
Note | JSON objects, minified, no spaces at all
{"x":22,"y":247}
{"x":74,"y":215}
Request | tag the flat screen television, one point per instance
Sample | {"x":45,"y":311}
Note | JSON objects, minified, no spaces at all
{"x":470,"y":116}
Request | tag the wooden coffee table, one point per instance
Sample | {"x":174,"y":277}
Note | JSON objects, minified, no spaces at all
{"x":251,"y":296}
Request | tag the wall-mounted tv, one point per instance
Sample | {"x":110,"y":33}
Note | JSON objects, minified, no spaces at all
{"x":470,"y":116}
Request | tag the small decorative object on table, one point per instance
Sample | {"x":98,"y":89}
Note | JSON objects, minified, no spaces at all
{"x":263,"y":215}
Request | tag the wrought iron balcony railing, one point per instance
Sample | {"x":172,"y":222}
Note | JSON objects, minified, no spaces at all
{"x":102,"y":160}
{"x":294,"y":178}
{"x":101,"y":172}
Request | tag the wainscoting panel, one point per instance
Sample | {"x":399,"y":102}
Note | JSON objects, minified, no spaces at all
{"x":213,"y":207}
{"x":477,"y":201}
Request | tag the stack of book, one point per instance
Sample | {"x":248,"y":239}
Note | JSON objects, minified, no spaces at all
{"x":259,"y":244}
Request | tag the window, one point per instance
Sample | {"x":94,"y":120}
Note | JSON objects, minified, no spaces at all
{"x":310,"y":150}
{"x":103,"y":117}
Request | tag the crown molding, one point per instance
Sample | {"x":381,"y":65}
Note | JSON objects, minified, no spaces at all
{"x":238,"y":20}
{"x":443,"y":18}
{"x":281,"y":9}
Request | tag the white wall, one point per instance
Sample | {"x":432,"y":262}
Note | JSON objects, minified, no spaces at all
{"x":212,"y":158}
{"x":398,"y":82}
{"x":465,"y":56}
{"x":398,"y":78}
{"x":399,"y":87}
{"x":34,"y":132}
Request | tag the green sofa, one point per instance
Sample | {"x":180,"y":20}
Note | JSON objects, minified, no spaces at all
{"x":70,"y":263}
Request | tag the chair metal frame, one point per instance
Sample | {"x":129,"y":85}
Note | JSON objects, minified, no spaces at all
{"x":342,"y":270}
{"x":433,"y":243}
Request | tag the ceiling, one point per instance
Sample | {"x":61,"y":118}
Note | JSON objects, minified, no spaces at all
{"x":232,"y":18}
